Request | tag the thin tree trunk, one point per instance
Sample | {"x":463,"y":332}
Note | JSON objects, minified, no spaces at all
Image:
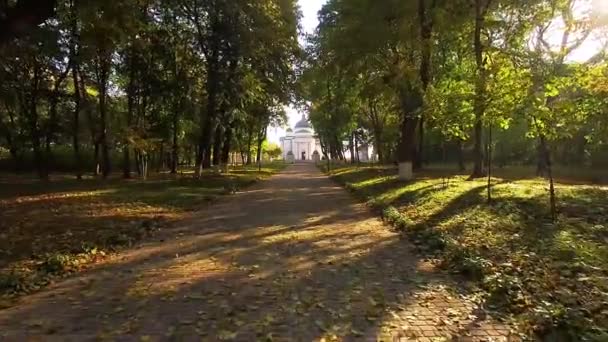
{"x":175,"y":144}
{"x":226,"y":146}
{"x":13,"y":147}
{"x":480,"y":88}
{"x":217,"y":145}
{"x":103,"y":74}
{"x":76,"y":123}
{"x":356,"y":148}
{"x":212,"y":87}
{"x":489,"y":163}
{"x":547,"y":158}
{"x":261,"y":138}
{"x":97,"y":171}
{"x":51,"y":130}
{"x":75,"y":62}
{"x":34,"y":125}
{"x":249,"y":142}
{"x":351,"y":147}
{"x":126,"y":167}
{"x":419,"y":158}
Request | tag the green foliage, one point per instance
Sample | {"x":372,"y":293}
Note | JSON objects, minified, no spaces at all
{"x":144,"y":79}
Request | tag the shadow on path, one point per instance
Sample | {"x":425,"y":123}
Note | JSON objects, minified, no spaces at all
{"x":293,"y":258}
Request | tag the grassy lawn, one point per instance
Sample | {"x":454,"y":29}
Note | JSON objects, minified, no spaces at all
{"x":59,"y":227}
{"x":551,"y":277}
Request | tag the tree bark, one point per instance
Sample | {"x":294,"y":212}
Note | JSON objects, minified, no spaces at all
{"x":75,"y":62}
{"x":212,"y":87}
{"x":547,"y":157}
{"x":103,"y":136}
{"x":217,"y":145}
{"x":412,"y":100}
{"x":419,"y":158}
{"x":356,"y":147}
{"x":131,"y":90}
{"x":249,"y":142}
{"x":480,"y":88}
{"x":261,"y":138}
{"x":39,"y":158}
{"x":175,"y":141}
{"x":351,"y":147}
{"x":227,"y":145}
{"x":489,"y":163}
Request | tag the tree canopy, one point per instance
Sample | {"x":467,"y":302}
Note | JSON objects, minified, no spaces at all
{"x":124,"y":82}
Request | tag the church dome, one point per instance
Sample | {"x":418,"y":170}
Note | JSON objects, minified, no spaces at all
{"x":303,"y":124}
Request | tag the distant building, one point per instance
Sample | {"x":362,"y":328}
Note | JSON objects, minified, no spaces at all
{"x":301,"y":143}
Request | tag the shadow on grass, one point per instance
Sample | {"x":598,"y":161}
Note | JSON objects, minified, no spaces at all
{"x":60,"y":217}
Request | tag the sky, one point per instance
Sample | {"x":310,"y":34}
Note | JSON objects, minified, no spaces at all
{"x":309,"y":22}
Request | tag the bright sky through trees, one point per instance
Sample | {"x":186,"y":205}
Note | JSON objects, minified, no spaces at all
{"x":309,"y":23}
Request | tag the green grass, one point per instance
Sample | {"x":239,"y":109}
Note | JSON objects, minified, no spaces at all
{"x":64,"y":225}
{"x":553,"y":277}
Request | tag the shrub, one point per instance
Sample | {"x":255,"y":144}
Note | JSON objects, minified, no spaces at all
{"x":11,"y":282}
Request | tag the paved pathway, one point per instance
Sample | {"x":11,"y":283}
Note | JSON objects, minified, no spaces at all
{"x":294,"y":258}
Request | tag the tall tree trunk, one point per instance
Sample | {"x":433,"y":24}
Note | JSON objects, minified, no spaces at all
{"x":547,"y":157}
{"x":407,"y":146}
{"x":489,"y":163}
{"x":480,"y":88}
{"x":217,"y":145}
{"x":39,"y":158}
{"x":12,"y":144}
{"x":51,"y":129}
{"x":413,"y":99}
{"x":356,"y":148}
{"x":208,"y":151}
{"x":212,"y":86}
{"x":227,"y":146}
{"x":76,"y":122}
{"x":102,"y":70}
{"x":96,"y":149}
{"x":419,"y":158}
{"x":103,"y":136}
{"x":88,"y":109}
{"x":131,"y":90}
{"x":175,"y":142}
{"x":351,"y":147}
{"x":260,"y":142}
{"x":249,"y":142}
{"x":75,"y":62}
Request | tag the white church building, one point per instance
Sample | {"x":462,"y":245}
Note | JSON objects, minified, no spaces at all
{"x":301,"y":143}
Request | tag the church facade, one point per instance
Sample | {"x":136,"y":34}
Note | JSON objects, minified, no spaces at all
{"x":301,"y":143}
